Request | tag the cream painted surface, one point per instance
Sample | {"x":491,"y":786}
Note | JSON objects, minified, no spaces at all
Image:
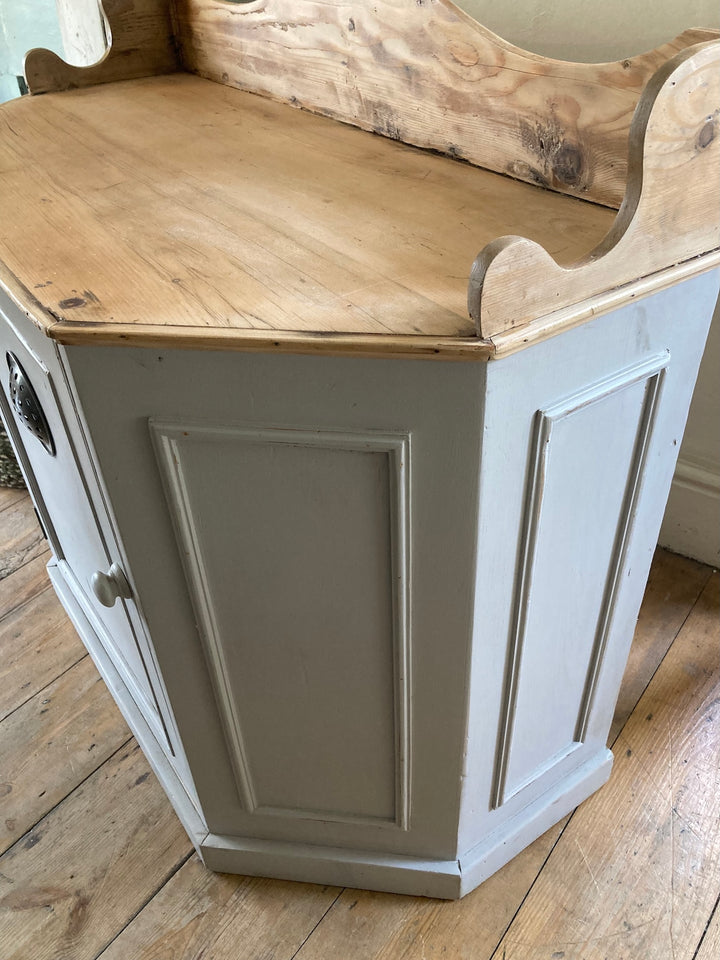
{"x":591,"y":32}
{"x":82,"y":28}
{"x":692,"y":517}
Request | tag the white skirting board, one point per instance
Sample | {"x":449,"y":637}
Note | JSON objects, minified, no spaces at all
{"x":692,"y":518}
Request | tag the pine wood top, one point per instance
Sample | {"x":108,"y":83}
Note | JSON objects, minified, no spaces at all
{"x":427,"y":73}
{"x":420,"y":71}
{"x":176,"y":208}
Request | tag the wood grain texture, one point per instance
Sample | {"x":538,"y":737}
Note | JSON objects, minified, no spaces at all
{"x":141,"y":45}
{"x":673,"y":141}
{"x":24,"y":538}
{"x":26,"y":583}
{"x":379,"y":926}
{"x":38,"y":643}
{"x":674,"y":586}
{"x":53,"y":742}
{"x":10,"y":495}
{"x":224,"y":917}
{"x":426,"y":73}
{"x":273,"y":221}
{"x":510,"y":341}
{"x":64,"y":898}
{"x":367,"y":241}
{"x":709,"y":948}
{"x":636,"y":872}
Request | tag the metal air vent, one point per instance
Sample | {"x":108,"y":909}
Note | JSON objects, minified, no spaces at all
{"x":26,"y":404}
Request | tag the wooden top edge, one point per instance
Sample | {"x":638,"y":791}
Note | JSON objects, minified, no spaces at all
{"x":260,"y":341}
{"x":24,"y":300}
{"x":352,"y":345}
{"x":141,"y":44}
{"x":427,"y":73}
{"x":686,"y":38}
{"x":376,"y":345}
{"x":565,"y":319}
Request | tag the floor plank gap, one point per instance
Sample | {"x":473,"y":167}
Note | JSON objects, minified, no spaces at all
{"x":168,"y":877}
{"x":48,"y":813}
{"x":712,"y":916}
{"x":29,"y":599}
{"x":340,"y":893}
{"x":530,"y":888}
{"x":24,"y":703}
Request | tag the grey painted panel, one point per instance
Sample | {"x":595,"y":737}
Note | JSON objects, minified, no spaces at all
{"x":294,"y":546}
{"x":544,"y":379}
{"x":292,"y":429}
{"x":584,"y":468}
{"x":440,"y":406}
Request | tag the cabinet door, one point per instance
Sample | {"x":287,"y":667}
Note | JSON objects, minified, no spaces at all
{"x":298,"y":530}
{"x":59,"y":491}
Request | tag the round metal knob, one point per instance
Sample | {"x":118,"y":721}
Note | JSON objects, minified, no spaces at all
{"x":107,"y":587}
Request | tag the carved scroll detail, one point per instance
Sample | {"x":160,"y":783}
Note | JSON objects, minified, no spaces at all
{"x":669,"y":214}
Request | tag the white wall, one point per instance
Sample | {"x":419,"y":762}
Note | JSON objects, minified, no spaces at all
{"x":586,"y":30}
{"x":24,"y":24}
{"x":83,"y":30}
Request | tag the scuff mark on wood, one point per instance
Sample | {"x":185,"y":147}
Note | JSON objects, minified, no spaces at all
{"x":72,"y":302}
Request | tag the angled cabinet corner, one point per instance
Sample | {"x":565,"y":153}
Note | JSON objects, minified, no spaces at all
{"x":41,"y":421}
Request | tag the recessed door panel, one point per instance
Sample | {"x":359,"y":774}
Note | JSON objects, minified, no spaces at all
{"x":294,"y":550}
{"x":585,"y":467}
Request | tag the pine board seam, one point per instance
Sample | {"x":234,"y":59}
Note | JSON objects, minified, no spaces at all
{"x":54,"y":807}
{"x":302,"y":945}
{"x":178,"y":866}
{"x":529,"y":890}
{"x":19,"y":606}
{"x":20,"y":494}
{"x":23,"y":564}
{"x":707,"y":927}
{"x":40,"y":689}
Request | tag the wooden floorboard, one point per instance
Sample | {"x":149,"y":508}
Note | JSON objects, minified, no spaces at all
{"x":53,"y":742}
{"x":84,"y":871}
{"x":25,"y":583}
{"x":38,"y":643}
{"x":709,"y":946}
{"x":199,"y":913}
{"x":9,"y":495}
{"x":23,"y":540}
{"x":637,"y":871}
{"x":675,"y":583}
{"x":96,"y":865}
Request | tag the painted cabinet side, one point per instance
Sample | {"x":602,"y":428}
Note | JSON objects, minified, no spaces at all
{"x":302,"y":537}
{"x":586,"y":430}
